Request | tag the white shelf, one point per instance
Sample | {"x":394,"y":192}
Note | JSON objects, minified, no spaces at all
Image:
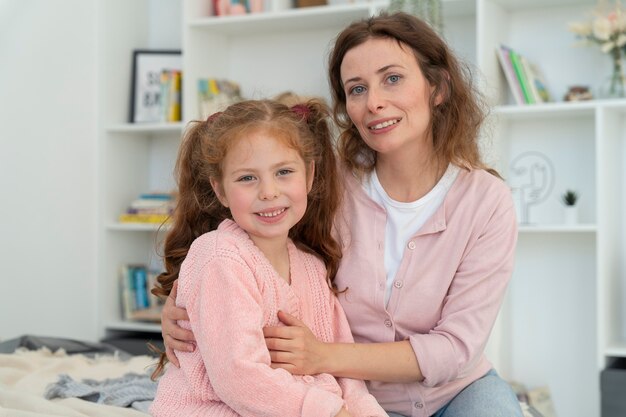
{"x":301,"y":19}
{"x":616,"y":350}
{"x":137,"y":227}
{"x":133,"y":158}
{"x":549,"y":110}
{"x":558,"y":228}
{"x":134,"y":326}
{"x":310,"y":18}
{"x":146,"y":128}
{"x":534,"y":4}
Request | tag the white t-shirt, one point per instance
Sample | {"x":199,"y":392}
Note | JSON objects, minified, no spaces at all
{"x":405,"y":219}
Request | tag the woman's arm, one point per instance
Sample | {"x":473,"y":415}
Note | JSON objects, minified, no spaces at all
{"x":174,"y":336}
{"x":295,"y":349}
{"x":358,"y":399}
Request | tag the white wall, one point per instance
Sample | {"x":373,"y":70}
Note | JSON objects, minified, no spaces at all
{"x":47,"y":168}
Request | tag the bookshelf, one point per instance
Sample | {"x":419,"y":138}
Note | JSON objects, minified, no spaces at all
{"x":132,"y":158}
{"x":564,"y":316}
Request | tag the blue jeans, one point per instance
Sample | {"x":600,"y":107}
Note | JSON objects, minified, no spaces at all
{"x":489,"y":396}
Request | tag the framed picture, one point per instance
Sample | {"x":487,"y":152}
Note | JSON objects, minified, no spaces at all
{"x":155,"y":93}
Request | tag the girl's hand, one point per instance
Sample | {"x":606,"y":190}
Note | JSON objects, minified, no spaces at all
{"x":174,"y":336}
{"x":294,"y":348}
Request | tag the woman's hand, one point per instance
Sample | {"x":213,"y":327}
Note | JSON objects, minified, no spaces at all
{"x":174,"y":336}
{"x":295,"y":348}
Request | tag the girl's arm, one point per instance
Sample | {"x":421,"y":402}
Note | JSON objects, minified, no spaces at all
{"x":295,"y":349}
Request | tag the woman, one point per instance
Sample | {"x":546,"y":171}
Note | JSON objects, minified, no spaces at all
{"x":428,"y":231}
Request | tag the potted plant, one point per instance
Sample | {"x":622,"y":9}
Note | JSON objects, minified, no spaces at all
{"x":569,"y":199}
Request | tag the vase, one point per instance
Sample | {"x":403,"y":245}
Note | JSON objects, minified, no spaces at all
{"x":615,"y":85}
{"x":571,"y":214}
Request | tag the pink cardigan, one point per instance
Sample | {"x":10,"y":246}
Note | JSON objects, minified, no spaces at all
{"x":231,"y":292}
{"x":447,"y":291}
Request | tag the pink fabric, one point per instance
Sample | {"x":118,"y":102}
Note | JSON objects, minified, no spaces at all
{"x":231,"y":292}
{"x":446,"y":294}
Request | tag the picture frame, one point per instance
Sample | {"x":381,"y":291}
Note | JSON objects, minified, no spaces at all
{"x":147,"y":103}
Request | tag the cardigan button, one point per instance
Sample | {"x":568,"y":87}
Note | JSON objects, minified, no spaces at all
{"x":398,"y":284}
{"x":411,"y":245}
{"x":388,"y":323}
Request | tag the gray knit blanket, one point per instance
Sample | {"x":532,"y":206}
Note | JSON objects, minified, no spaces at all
{"x":131,"y":390}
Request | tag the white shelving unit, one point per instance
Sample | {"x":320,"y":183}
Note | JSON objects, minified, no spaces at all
{"x":133,"y":158}
{"x":564,"y":317}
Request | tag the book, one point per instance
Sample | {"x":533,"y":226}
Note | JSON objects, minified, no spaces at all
{"x":143,"y":218}
{"x":140,"y":276}
{"x":165,"y":94}
{"x":538,"y":83}
{"x":216,"y":94}
{"x":137,"y":302}
{"x":504,"y":57}
{"x":521,"y":76}
{"x":174,"y":113}
{"x":127,"y":291}
{"x":170,"y":95}
{"x":524,"y":77}
{"x":541,"y":400}
{"x":153,"y":207}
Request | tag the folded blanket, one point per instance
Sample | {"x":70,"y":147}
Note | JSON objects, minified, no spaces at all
{"x":24,"y":376}
{"x":131,"y":390}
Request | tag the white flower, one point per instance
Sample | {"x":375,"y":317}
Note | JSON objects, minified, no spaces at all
{"x":620,"y":23}
{"x":602,"y":28}
{"x":607,"y":29}
{"x":582,"y":29}
{"x":607,"y":47}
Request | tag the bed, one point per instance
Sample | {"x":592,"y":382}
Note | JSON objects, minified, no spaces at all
{"x":30,"y":366}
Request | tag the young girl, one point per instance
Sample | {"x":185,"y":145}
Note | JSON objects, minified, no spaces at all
{"x":252,"y":236}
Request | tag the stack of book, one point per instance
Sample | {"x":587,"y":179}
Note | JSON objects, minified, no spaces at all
{"x":215,"y":95}
{"x":153,"y":208}
{"x":138,"y":303}
{"x":524,"y":77}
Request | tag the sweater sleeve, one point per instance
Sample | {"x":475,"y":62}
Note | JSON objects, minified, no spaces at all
{"x":226,"y":315}
{"x":456,"y":344}
{"x":359,"y":402}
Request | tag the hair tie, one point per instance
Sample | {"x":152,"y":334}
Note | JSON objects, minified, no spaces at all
{"x":212,"y":117}
{"x":302,"y":110}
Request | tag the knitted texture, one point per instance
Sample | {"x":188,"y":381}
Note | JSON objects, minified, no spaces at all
{"x":122,"y":392}
{"x":231,"y":291}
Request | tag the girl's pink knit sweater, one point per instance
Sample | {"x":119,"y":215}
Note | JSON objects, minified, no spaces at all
{"x":231,"y":292}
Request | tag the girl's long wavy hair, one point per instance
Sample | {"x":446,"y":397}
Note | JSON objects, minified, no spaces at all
{"x":455,"y":121}
{"x":304,"y":128}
